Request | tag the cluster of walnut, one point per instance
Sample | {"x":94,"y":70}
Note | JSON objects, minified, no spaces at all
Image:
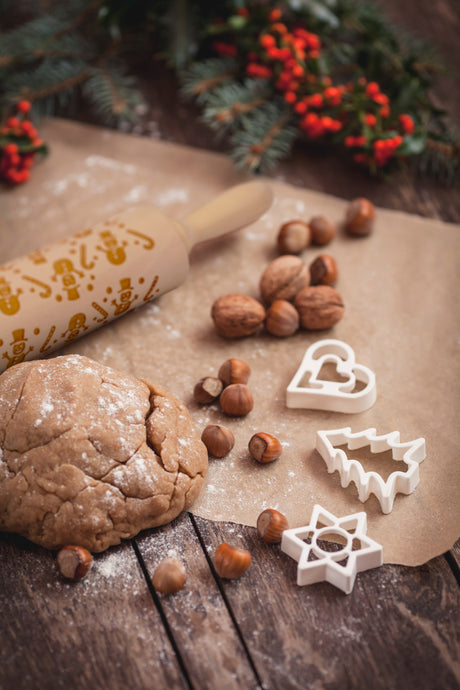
{"x":294,"y":295}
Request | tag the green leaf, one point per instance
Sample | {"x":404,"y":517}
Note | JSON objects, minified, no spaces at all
{"x":317,"y":9}
{"x":236,"y":22}
{"x":413,"y":144}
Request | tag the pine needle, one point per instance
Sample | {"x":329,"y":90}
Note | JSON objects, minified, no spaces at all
{"x":264,"y":138}
{"x":202,"y":77}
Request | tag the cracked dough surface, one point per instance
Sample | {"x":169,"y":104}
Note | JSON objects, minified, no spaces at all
{"x":91,"y":456}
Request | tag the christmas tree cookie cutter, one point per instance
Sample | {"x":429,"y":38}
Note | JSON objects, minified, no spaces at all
{"x":335,"y":396}
{"x":338,"y":567}
{"x":411,"y":454}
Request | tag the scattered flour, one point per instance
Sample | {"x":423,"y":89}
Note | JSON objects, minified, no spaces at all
{"x":173,"y":195}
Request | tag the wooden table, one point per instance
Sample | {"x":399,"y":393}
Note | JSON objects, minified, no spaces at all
{"x":398,"y":629}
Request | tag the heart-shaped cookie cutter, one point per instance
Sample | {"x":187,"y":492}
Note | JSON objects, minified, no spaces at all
{"x":335,"y":396}
{"x":410,"y":453}
{"x":338,"y":567}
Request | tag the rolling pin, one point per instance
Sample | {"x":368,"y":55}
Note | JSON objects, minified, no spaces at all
{"x":54,"y":295}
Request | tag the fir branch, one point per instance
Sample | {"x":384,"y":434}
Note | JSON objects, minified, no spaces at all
{"x":77,"y":21}
{"x":202,"y":77}
{"x":58,"y":87}
{"x":112,"y":93}
{"x":228,"y":103}
{"x":39,"y":54}
{"x":27,"y":37}
{"x":265,"y":137}
{"x":49,"y":79}
{"x":441,"y":160}
{"x":237,"y":110}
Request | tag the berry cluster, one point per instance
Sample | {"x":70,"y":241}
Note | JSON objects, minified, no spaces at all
{"x":19,"y":145}
{"x":357,"y":114}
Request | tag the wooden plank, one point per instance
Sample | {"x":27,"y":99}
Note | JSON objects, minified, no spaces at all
{"x":398,"y":628}
{"x":199,"y":621}
{"x":103,"y":632}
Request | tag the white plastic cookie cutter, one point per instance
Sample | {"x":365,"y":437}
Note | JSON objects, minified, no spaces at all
{"x":335,"y":396}
{"x":338,"y":567}
{"x":411,"y":454}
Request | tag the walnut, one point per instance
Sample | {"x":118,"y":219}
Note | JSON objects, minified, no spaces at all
{"x":236,"y":316}
{"x":319,"y":307}
{"x":283,"y":278}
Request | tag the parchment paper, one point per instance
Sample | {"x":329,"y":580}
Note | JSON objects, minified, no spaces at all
{"x":400,"y":288}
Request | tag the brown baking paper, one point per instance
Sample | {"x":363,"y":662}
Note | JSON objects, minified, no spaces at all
{"x":400,"y":288}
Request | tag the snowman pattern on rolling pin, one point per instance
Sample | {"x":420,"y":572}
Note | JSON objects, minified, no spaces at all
{"x":65,"y":274}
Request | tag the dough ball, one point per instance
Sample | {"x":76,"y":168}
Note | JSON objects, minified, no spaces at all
{"x":91,"y":456}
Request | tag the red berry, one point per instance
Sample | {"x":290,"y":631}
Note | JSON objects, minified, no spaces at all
{"x":10,"y":149}
{"x":372,"y":88}
{"x":316,"y":101}
{"x":333,"y":95}
{"x":407,"y":124}
{"x":335,"y":126}
{"x":300,"y":107}
{"x":280,"y":28}
{"x":275,"y":15}
{"x":267,"y":41}
{"x":290,"y":97}
{"x":298,"y":71}
{"x":381,"y":99}
{"x":23,"y":106}
{"x":311,"y":119}
{"x":313,"y":41}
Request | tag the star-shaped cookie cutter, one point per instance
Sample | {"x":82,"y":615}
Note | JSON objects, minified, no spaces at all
{"x":335,"y":396}
{"x":351,"y":470}
{"x":338,"y":567}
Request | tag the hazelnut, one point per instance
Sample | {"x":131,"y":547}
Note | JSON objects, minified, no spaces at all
{"x":283,"y":278}
{"x":234,"y":371}
{"x":323,"y":270}
{"x":169,"y":576}
{"x":230,"y":561}
{"x":264,"y":447}
{"x":359,"y":217}
{"x":282,"y":318}
{"x":293,"y":237}
{"x":236,"y":316}
{"x":271,"y":525}
{"x":319,"y":307}
{"x":207,"y":390}
{"x":218,"y":440}
{"x":74,"y":562}
{"x":236,"y":400}
{"x":322,"y":230}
